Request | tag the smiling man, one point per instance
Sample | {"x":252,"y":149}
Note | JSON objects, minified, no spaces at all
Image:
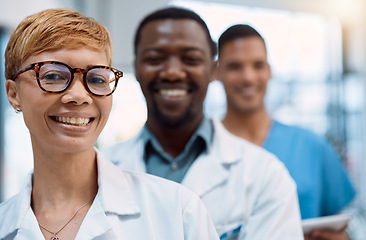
{"x":247,"y":191}
{"x":322,"y":183}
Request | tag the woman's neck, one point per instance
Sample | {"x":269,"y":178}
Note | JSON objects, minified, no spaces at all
{"x":59,"y":178}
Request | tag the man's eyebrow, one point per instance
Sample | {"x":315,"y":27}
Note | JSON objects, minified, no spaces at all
{"x":156,"y":49}
{"x":194,"y":49}
{"x":261,"y":61}
{"x":185,"y":49}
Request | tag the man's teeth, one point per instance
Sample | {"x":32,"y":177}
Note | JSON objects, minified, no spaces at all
{"x":73,"y":121}
{"x":173,"y":92}
{"x":248,"y":91}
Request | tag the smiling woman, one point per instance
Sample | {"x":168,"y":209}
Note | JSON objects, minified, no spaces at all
{"x":59,"y":76}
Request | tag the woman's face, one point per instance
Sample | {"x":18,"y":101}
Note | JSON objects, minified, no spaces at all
{"x":70,"y":121}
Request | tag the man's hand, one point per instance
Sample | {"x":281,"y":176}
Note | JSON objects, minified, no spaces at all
{"x":321,"y":234}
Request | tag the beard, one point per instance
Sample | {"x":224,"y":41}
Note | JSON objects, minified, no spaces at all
{"x":169,"y":121}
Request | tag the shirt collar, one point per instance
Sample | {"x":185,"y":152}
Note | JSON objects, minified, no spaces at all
{"x":205,"y":130}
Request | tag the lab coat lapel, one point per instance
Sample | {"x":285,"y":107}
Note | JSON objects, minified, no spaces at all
{"x":114,"y":197}
{"x":210,"y":173}
{"x":115,"y":188}
{"x":30,"y":228}
{"x":212,"y":168}
{"x":97,"y":218}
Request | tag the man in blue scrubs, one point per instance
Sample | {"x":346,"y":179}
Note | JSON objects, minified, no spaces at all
{"x":323,"y":185}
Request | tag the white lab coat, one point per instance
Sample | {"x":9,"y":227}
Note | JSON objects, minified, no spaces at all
{"x":131,"y":206}
{"x":247,"y":190}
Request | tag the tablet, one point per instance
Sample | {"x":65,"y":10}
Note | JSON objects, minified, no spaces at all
{"x":334,"y":222}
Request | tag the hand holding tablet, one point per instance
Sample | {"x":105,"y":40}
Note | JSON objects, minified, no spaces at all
{"x":334,"y":222}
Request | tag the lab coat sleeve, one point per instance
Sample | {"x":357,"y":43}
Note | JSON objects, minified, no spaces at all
{"x":197,"y":223}
{"x":276,"y":213}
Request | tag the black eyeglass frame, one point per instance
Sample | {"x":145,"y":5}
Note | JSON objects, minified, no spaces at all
{"x":37,"y":66}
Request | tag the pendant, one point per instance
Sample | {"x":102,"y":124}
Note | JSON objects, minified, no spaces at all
{"x":55,"y":237}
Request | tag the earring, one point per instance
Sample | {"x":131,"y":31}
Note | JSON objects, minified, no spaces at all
{"x":17,"y":110}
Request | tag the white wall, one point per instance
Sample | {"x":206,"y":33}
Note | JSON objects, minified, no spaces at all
{"x":12,"y":12}
{"x":121,"y":17}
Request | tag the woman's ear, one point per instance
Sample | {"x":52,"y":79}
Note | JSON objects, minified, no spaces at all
{"x":12,"y":92}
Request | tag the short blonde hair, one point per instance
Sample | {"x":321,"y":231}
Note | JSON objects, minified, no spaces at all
{"x":51,"y":30}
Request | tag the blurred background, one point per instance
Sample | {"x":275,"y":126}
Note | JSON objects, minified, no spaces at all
{"x":317,"y":51}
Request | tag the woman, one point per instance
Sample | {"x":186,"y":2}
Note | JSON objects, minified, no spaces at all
{"x":57,"y":66}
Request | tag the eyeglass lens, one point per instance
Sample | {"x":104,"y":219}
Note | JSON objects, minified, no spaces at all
{"x":56,"y":77}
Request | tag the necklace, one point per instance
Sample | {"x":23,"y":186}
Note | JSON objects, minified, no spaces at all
{"x":55,"y":237}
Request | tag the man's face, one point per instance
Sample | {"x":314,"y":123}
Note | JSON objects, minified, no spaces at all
{"x":174,"y":67}
{"x":244,"y":71}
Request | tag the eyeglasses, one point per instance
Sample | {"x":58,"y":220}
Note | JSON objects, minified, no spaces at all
{"x":56,"y":77}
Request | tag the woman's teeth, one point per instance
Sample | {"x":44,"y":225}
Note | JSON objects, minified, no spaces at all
{"x":73,"y":121}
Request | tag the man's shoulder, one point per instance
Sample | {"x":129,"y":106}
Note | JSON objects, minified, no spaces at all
{"x":297,"y":129}
{"x":249,"y":165}
{"x":155,"y":186}
{"x":299,"y":132}
{"x":241,"y":149}
{"x":124,"y":148}
{"x":123,"y":144}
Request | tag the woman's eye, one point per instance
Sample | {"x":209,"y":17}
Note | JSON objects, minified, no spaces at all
{"x":96,"y":80}
{"x":98,"y":77}
{"x":53,"y":77}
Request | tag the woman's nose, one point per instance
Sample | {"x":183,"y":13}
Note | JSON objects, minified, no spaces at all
{"x":77,"y":92}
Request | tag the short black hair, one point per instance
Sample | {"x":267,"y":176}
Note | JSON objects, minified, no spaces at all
{"x":238,"y":31}
{"x":175,"y":13}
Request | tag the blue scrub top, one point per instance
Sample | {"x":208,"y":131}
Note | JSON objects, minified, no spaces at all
{"x":323,"y":185}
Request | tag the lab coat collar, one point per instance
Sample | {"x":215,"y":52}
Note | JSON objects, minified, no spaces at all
{"x":227,"y":147}
{"x":115,"y":189}
{"x":20,"y":214}
{"x":213,"y":167}
{"x":114,"y":197}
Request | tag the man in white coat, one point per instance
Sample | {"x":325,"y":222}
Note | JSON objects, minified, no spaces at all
{"x":247,"y":191}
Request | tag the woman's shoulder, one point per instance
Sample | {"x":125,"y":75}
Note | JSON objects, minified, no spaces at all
{"x":7,"y":205}
{"x":10,"y":214}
